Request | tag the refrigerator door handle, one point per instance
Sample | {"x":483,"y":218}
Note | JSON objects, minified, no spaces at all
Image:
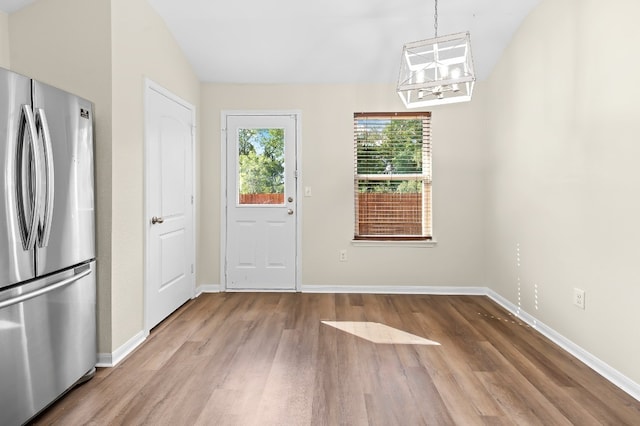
{"x":42,"y":128}
{"x":45,"y":290}
{"x":28,"y":180}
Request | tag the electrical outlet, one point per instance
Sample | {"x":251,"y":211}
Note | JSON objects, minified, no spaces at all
{"x":578,"y":298}
{"x":343,"y":255}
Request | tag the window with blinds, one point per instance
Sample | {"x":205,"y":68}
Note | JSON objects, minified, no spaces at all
{"x":392,"y":179}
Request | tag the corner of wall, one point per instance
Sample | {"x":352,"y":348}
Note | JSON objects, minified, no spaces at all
{"x":75,"y":55}
{"x":4,"y":41}
{"x":561,"y":175}
{"x":141,"y":47}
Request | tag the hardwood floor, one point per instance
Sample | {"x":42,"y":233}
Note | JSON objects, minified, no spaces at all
{"x":266,"y":359}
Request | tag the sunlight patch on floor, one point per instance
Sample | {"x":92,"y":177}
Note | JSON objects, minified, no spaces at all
{"x":379,"y":333}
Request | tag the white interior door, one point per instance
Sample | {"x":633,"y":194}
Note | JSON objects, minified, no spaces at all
{"x":261,"y":213}
{"x":169,"y":204}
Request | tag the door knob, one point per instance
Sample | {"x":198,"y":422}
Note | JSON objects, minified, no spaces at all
{"x":155,"y":220}
{"x":290,"y":212}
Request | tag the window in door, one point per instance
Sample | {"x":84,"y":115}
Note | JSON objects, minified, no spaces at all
{"x":261,"y":166}
{"x":392,"y":176}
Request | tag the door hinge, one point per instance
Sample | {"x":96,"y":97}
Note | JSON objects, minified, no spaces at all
{"x":192,"y":268}
{"x":192,"y":200}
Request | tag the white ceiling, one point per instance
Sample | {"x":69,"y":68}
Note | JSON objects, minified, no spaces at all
{"x":10,"y":6}
{"x":330,"y":41}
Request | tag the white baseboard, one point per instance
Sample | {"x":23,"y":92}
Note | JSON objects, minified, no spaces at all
{"x":207,"y":288}
{"x":596,"y":364}
{"x":411,"y":289}
{"x":112,"y":359}
{"x":599,"y":366}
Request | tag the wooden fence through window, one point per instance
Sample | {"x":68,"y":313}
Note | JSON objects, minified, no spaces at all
{"x":389,"y":213}
{"x":261,"y":198}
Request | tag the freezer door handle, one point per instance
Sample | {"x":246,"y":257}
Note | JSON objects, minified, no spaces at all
{"x":28,"y":178}
{"x":45,"y":290}
{"x":46,"y":216}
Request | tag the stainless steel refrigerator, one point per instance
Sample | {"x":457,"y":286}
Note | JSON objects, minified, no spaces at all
{"x":47,"y":245}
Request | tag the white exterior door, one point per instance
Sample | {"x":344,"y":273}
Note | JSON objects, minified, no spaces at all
{"x":169,"y":204}
{"x":261,"y":202}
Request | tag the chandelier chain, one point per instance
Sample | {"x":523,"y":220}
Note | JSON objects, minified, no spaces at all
{"x":435,"y":19}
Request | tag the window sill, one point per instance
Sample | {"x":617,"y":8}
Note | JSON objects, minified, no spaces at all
{"x":391,"y":243}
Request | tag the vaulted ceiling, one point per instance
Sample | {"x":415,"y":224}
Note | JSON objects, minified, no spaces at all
{"x":330,"y":41}
{"x":9,"y":6}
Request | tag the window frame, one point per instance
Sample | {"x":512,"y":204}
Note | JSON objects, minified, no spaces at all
{"x":425,"y":238}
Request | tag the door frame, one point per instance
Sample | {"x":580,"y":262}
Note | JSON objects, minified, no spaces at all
{"x":297,"y":114}
{"x":150,"y":85}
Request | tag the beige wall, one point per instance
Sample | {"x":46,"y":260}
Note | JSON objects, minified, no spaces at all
{"x":71,"y":50}
{"x":142,"y":46}
{"x":327,"y":167}
{"x":558,"y":190}
{"x":103,"y":50}
{"x":564,"y":180}
{"x":4,"y":40}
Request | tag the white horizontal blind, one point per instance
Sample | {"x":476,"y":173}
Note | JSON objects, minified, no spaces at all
{"x":392,"y":175}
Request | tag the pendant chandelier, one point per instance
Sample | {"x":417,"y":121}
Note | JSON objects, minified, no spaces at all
{"x":436,"y":71}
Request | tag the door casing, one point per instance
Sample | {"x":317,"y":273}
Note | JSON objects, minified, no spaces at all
{"x":151,"y":85}
{"x":224,"y":196}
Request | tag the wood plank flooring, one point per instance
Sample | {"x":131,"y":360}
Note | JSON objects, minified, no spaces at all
{"x":266,"y":359}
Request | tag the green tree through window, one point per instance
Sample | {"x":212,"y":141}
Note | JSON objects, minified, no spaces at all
{"x":261,"y":161}
{"x":392,"y":175}
{"x":392,"y":147}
